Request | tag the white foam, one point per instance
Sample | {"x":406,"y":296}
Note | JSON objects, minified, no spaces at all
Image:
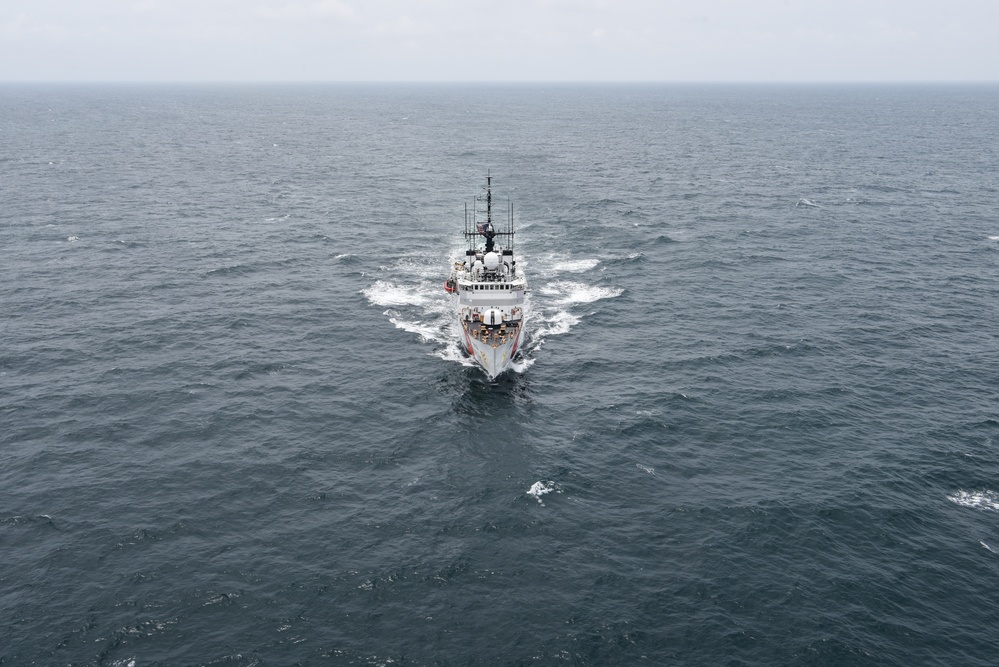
{"x":453,"y":353}
{"x":72,"y":238}
{"x":988,"y":547}
{"x":428,"y":332}
{"x":425,"y":310}
{"x":575,"y":265}
{"x":568,"y":292}
{"x":384,"y":293}
{"x":648,"y":469}
{"x":520,"y":365}
{"x":554,"y":264}
{"x":423,"y":266}
{"x":994,"y":238}
{"x":982,"y":500}
{"x":417,"y":267}
{"x":558,"y":323}
{"x":539,"y":489}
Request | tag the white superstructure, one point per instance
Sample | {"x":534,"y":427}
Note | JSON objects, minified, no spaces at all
{"x":490,"y":291}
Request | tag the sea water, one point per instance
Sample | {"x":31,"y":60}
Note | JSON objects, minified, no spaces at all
{"x":756,"y":422}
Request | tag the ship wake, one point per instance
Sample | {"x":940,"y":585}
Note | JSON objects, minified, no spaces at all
{"x":414,"y":301}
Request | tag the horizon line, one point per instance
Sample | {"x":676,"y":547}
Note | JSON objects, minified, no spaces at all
{"x":603,"y":82}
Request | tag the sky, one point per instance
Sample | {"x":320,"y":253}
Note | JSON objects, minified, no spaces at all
{"x":499,"y":40}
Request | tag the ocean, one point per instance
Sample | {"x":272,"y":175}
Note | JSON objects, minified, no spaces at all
{"x":756,"y":422}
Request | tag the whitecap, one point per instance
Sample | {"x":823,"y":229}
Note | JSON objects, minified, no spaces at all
{"x":982,"y":500}
{"x":988,"y":547}
{"x":519,"y":366}
{"x":416,"y":268}
{"x":539,"y":489}
{"x":558,"y":323}
{"x":453,"y":353}
{"x":424,"y":267}
{"x":384,"y":293}
{"x":994,"y":238}
{"x":807,"y":202}
{"x":575,"y":265}
{"x":648,"y":469}
{"x":568,"y":292}
{"x":72,"y":238}
{"x":428,"y":332}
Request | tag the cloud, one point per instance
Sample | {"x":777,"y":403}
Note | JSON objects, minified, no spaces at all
{"x":333,"y":8}
{"x":23,"y":27}
{"x":891,"y":32}
{"x":305,"y":12}
{"x":404,"y":26}
{"x":442,"y":40}
{"x":146,"y":6}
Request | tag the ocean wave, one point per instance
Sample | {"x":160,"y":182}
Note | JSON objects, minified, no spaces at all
{"x":555,"y":324}
{"x":428,"y":332}
{"x":384,"y":293}
{"x":453,"y":353}
{"x":632,"y":258}
{"x":982,"y":500}
{"x":575,"y":265}
{"x":541,"y":488}
{"x":235,"y":269}
{"x":568,"y":292}
{"x":554,"y":264}
{"x":417,"y":267}
{"x":520,"y":365}
{"x":424,"y":310}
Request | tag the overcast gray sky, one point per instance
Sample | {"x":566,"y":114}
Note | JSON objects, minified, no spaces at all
{"x":499,"y":40}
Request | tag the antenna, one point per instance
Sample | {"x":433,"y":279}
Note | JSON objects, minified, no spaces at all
{"x":489,"y":197}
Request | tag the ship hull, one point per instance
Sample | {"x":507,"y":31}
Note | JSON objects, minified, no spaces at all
{"x":494,"y":354}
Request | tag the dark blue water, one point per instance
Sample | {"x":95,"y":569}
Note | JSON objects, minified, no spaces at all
{"x":757,"y":423}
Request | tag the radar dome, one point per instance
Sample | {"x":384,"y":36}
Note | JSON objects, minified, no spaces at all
{"x":492,"y":260}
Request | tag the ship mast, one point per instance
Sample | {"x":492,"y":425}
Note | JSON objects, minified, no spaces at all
{"x":489,"y":199}
{"x":473,"y":229}
{"x":488,"y":230}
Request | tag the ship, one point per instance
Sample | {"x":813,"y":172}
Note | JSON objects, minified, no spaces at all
{"x":489,"y":289}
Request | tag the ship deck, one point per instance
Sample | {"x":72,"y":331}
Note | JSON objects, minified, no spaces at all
{"x":492,"y":335}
